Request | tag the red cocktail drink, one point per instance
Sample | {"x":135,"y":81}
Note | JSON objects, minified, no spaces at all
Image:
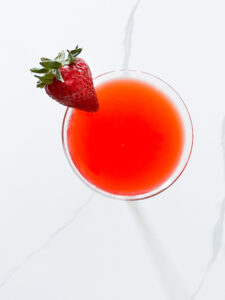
{"x":133,"y":144}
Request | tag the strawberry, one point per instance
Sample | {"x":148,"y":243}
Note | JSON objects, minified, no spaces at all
{"x":68,"y":80}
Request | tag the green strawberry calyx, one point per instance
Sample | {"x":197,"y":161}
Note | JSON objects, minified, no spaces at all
{"x":51,"y":68}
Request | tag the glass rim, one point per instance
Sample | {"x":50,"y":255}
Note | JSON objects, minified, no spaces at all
{"x":179,"y":169}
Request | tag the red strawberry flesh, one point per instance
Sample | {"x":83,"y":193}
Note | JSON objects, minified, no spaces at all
{"x":77,"y":90}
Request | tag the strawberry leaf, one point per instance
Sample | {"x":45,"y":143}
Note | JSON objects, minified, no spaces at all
{"x":40,"y":84}
{"x":70,"y":58}
{"x":47,"y":78}
{"x":39,"y":70}
{"x":76,"y":51}
{"x":58,"y":75}
{"x":45,"y":59}
{"x":61,"y":56}
{"x":50,"y":64}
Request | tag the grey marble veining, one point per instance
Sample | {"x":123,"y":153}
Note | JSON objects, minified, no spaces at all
{"x":127,"y":42}
{"x":42,"y":247}
{"x":171,"y":280}
{"x":218,"y":230}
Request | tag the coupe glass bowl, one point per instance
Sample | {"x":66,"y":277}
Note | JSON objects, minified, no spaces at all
{"x":179,"y":104}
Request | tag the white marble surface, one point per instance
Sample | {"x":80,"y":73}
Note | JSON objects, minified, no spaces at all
{"x":58,"y":239}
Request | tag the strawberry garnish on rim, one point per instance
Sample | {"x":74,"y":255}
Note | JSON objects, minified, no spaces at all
{"x":68,"y":80}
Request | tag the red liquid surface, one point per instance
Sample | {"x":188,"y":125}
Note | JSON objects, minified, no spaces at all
{"x":132,"y":144}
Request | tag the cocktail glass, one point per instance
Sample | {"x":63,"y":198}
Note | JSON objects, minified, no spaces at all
{"x":179,"y":105}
